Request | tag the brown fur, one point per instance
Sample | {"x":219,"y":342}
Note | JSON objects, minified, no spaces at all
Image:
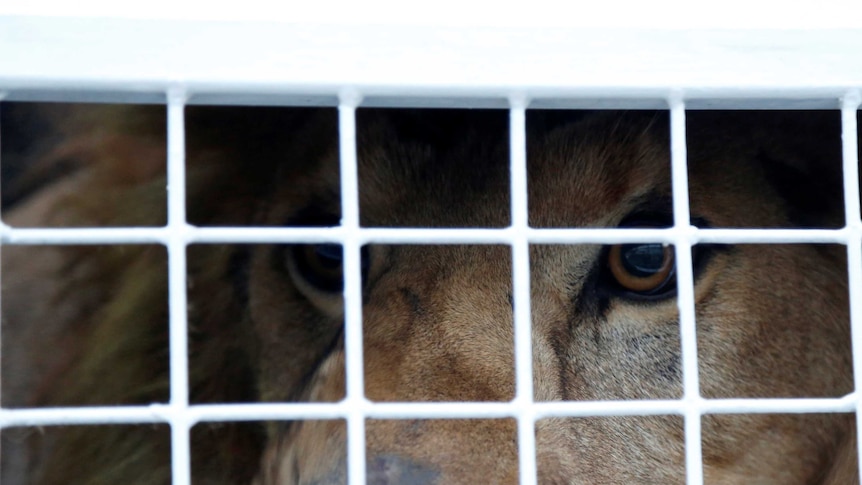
{"x":772,"y":319}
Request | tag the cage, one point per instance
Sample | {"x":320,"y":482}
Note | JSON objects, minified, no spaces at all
{"x":525,"y":66}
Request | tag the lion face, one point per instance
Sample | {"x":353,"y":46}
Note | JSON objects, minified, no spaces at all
{"x":266,"y":321}
{"x":438,"y":326}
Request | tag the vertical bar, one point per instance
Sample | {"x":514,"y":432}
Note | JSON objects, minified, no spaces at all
{"x":348,"y":101}
{"x":521,"y":292}
{"x":2,"y":239}
{"x":684,"y":238}
{"x":177,"y":297}
{"x":849,"y":142}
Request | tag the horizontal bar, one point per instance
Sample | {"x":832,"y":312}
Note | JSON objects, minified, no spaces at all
{"x":161,"y":413}
{"x":262,"y":235}
{"x":844,"y":404}
{"x":771,"y":236}
{"x":154,"y":413}
{"x":101,"y":235}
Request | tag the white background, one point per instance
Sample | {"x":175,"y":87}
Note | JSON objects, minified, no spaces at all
{"x":609,"y":13}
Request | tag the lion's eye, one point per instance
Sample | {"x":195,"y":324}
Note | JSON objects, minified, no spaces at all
{"x":322,"y":265}
{"x":645,"y":269}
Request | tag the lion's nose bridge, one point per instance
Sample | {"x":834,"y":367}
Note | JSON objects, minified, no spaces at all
{"x":442,"y":330}
{"x":478,"y":318}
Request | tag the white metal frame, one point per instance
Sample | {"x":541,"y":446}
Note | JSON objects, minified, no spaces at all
{"x":175,"y":63}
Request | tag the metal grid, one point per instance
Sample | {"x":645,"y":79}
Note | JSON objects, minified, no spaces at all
{"x":355,"y":408}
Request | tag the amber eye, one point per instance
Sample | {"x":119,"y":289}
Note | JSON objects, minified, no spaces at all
{"x":647,"y":269}
{"x":322,"y":265}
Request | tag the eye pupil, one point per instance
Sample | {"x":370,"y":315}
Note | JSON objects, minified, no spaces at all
{"x":642,"y":269}
{"x":643,"y":260}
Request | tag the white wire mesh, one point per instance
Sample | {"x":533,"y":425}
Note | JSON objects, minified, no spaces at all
{"x":355,"y":408}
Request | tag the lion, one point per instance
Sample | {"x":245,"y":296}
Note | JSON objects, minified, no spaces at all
{"x":87,"y":325}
